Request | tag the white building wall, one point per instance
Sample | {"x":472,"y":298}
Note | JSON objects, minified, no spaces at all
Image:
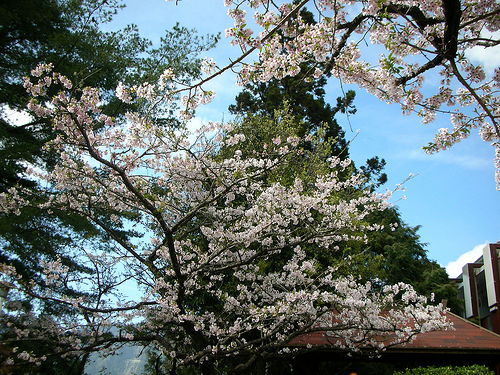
{"x":488,"y":271}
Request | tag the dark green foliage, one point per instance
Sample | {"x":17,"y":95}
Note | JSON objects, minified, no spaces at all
{"x":448,"y":370}
{"x":306,"y":98}
{"x":260,"y":130}
{"x":373,"y":171}
{"x":393,"y":254}
{"x":306,"y":101}
{"x":67,"y":34}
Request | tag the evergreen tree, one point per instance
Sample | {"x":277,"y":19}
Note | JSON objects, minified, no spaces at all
{"x":404,"y":258}
{"x":306,"y":98}
{"x":394,"y":254}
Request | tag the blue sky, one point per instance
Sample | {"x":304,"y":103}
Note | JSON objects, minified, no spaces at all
{"x":453,"y":197}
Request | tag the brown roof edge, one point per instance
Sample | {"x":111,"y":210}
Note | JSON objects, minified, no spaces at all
{"x":464,"y":337}
{"x":474,"y":324}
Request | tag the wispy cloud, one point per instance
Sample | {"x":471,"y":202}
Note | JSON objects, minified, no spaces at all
{"x":454,"y":268}
{"x":469,"y":161}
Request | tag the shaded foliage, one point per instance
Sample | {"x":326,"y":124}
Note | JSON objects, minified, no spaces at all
{"x":404,"y":258}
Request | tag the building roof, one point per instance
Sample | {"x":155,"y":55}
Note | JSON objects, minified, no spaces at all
{"x":466,"y":337}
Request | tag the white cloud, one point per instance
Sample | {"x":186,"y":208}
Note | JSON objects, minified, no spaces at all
{"x":454,"y":268}
{"x":489,"y":58}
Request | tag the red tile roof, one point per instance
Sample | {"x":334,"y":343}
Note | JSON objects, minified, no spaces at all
{"x":465,"y":337}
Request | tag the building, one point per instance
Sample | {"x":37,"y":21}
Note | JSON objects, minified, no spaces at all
{"x":479,"y":288}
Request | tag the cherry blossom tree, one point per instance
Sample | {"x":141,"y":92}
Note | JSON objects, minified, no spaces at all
{"x":205,"y":227}
{"x":418,"y":43}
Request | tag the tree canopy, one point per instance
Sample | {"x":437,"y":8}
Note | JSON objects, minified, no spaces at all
{"x":417,"y":40}
{"x":395,"y":251}
{"x":67,"y":35}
